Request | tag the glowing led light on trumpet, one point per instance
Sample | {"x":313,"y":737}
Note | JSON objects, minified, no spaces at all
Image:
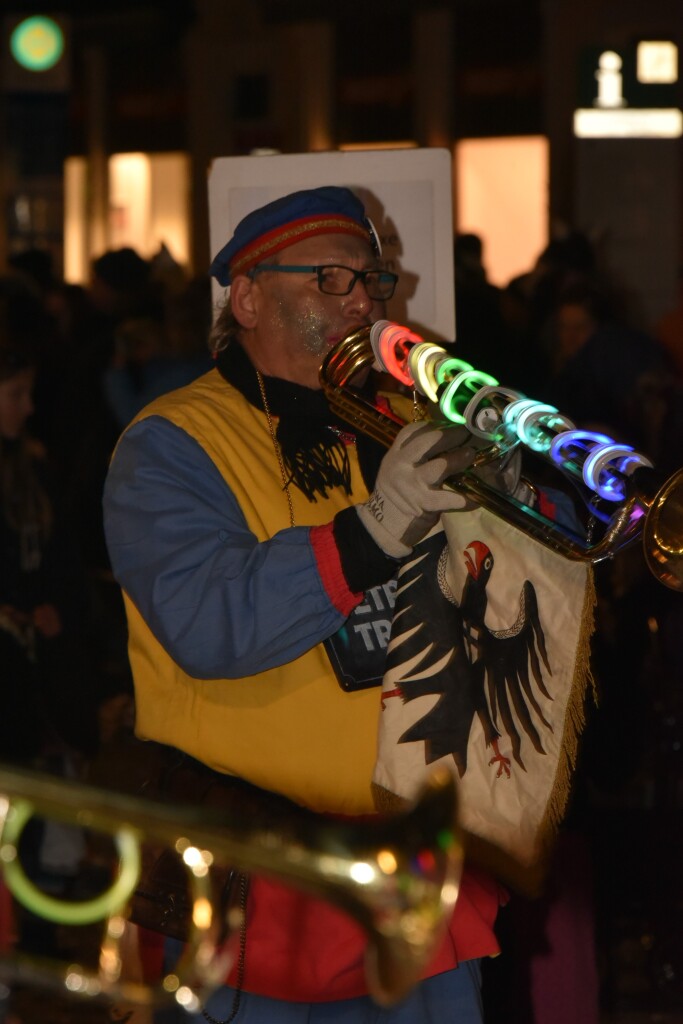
{"x":392,"y":345}
{"x":449,"y":367}
{"x":459,"y":391}
{"x":422,"y":362}
{"x":621,"y":458}
{"x":482,"y":417}
{"x":514,"y":410}
{"x":583,"y":441}
{"x":534,"y":423}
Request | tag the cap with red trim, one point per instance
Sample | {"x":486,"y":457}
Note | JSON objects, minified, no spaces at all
{"x":317,"y":211}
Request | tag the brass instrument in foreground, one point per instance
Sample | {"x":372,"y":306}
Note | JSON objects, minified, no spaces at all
{"x":397,"y":877}
{"x":625,"y":498}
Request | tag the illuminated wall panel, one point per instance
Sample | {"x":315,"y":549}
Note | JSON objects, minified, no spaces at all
{"x":148,"y":207}
{"x":502,"y":196}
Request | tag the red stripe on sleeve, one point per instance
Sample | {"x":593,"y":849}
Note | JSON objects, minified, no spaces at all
{"x":330,"y":568}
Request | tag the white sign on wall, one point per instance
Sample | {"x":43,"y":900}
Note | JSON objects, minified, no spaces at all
{"x":407,"y":195}
{"x":634,"y":90}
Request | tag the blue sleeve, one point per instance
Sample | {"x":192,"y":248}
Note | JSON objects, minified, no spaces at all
{"x":223,"y":604}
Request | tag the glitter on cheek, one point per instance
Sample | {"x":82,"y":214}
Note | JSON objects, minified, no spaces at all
{"x":304,"y":323}
{"x":313,"y":327}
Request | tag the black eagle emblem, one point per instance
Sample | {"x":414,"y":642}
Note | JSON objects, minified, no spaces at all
{"x":442,"y":645}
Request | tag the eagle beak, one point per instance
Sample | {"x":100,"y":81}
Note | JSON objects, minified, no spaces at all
{"x":473,"y":566}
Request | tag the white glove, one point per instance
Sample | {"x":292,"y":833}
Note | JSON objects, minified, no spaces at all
{"x":409,"y":497}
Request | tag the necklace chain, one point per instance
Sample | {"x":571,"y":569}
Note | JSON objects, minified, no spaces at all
{"x":243,"y":881}
{"x":276,"y":446}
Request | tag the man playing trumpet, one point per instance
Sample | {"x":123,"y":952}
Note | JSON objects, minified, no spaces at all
{"x":256,"y":540}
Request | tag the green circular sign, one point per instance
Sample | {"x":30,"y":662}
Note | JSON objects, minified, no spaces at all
{"x":37,"y":43}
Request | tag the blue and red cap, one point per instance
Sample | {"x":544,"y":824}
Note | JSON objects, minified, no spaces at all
{"x":317,"y":211}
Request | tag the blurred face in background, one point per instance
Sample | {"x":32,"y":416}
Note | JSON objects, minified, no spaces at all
{"x":16,"y":403}
{"x":574,"y":326}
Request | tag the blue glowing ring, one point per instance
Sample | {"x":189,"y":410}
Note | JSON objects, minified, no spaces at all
{"x":585,"y":440}
{"x":621,"y":458}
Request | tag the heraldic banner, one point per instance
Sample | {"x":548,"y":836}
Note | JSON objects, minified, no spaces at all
{"x":486,"y":672}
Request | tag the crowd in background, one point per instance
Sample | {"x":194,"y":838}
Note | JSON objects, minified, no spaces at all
{"x":92,"y":358}
{"x":607,"y":929}
{"x":76,"y":365}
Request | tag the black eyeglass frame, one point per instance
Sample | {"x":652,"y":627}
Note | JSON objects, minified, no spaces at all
{"x":357,"y":275}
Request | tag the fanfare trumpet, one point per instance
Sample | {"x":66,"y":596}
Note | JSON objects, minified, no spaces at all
{"x":625,"y":498}
{"x":397,"y":877}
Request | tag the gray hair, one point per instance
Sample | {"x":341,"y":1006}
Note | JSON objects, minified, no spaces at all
{"x":226,"y":328}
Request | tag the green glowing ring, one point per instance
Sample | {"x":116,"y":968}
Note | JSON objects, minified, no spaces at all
{"x":472,"y":379}
{"x":37,"y":43}
{"x":62,"y":911}
{"x":449,"y":367}
{"x":447,"y":401}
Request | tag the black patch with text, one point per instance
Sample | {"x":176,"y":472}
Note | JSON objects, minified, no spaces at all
{"x":358,"y":650}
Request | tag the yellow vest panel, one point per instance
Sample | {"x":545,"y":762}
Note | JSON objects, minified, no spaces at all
{"x":290,"y":729}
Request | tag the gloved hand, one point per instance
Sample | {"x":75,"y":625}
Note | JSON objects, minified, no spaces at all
{"x":503,"y":474}
{"x":408,"y":497}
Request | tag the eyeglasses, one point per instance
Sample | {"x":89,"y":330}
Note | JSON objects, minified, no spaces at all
{"x":335,"y":279}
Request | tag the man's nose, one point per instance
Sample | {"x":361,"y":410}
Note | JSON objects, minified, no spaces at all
{"x":357,"y":302}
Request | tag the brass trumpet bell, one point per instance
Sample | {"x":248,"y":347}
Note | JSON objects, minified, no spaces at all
{"x":397,"y":877}
{"x":663,"y":533}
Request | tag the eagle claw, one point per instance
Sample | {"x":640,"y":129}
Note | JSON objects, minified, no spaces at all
{"x":502,"y":761}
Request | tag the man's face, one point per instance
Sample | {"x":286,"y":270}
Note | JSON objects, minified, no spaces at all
{"x":296,"y":323}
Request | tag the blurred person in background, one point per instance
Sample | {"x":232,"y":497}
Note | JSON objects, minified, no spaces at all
{"x":528,"y":301}
{"x":480,"y":331}
{"x":41,"y":584}
{"x":160,"y":351}
{"x":605,"y":375}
